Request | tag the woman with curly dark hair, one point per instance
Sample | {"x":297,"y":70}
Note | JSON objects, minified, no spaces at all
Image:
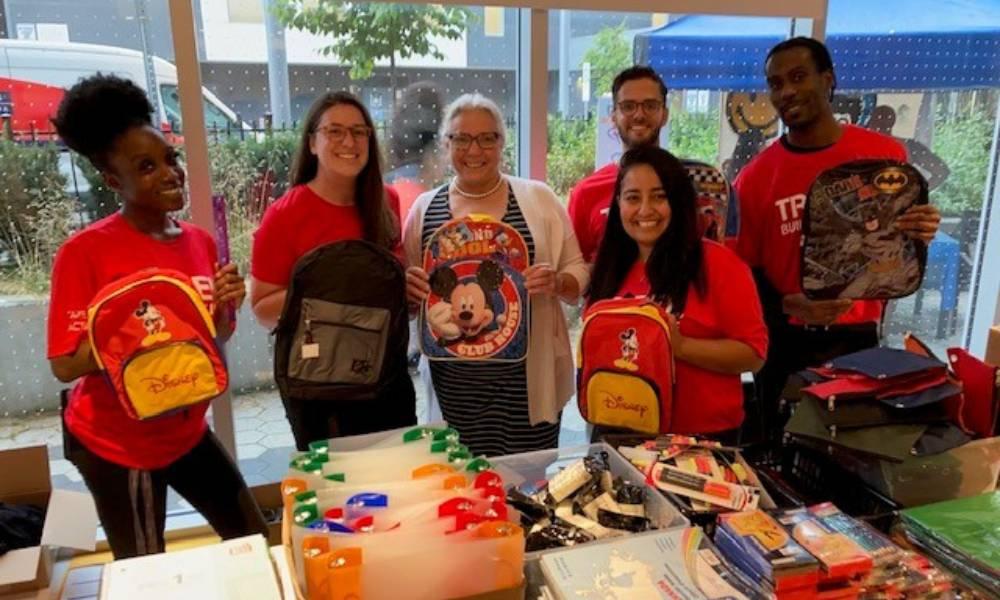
{"x":127,"y":463}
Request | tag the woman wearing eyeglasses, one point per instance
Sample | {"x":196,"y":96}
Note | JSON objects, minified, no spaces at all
{"x":502,"y":407}
{"x":336,"y":194}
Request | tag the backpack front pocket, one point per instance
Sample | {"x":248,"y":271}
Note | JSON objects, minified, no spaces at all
{"x":622,"y":400}
{"x":338,"y":343}
{"x":167,"y":378}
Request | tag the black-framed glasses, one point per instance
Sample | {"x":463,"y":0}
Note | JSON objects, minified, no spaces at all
{"x":486,"y":141}
{"x":628,"y":107}
{"x":337,"y":133}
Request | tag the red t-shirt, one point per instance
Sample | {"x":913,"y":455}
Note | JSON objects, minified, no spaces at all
{"x":299,"y":222}
{"x":772,"y":194}
{"x":706,"y":401}
{"x":100,"y":254}
{"x":408,"y":191}
{"x":589,"y":201}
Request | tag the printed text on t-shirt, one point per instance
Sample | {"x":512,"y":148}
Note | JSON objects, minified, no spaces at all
{"x":790,"y":210}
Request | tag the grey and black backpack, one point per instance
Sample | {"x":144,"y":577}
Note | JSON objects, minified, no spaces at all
{"x":343,"y":332}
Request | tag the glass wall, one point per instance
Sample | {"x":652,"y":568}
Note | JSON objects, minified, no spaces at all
{"x":46,"y":193}
{"x":719,"y":113}
{"x":458,"y":50}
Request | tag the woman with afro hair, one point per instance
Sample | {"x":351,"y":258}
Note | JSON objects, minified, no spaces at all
{"x":126,"y":463}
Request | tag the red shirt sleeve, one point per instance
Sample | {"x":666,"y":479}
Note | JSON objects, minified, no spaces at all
{"x":273,"y":255}
{"x":579,"y":216}
{"x":73,"y":287}
{"x":392,"y":198}
{"x":737,"y":302}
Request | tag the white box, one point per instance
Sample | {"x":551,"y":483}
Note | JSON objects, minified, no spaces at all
{"x":238,"y":569}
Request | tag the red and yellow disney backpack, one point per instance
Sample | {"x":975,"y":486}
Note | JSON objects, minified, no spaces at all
{"x":625,"y":365}
{"x":154,"y":339}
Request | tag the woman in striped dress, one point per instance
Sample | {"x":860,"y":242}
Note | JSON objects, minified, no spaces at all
{"x":502,"y":407}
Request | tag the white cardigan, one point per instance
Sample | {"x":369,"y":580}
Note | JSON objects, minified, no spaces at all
{"x":550,"y":364}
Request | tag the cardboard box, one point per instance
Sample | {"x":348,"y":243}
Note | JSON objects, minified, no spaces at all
{"x":70,"y":518}
{"x":237,"y":569}
{"x":993,"y":346}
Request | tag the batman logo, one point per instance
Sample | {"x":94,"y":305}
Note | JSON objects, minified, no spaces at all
{"x":891,"y":180}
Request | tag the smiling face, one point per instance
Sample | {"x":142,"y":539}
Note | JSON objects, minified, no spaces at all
{"x":475,"y":166}
{"x":636,"y":125}
{"x":799,"y":91}
{"x":469,"y":308}
{"x":644,"y":206}
{"x":145,"y":170}
{"x":348,"y":155}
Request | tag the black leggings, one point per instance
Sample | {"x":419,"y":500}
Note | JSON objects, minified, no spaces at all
{"x":314,"y":420}
{"x":131,"y":503}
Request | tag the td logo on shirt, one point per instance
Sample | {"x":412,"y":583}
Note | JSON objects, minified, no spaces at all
{"x":790,"y":210}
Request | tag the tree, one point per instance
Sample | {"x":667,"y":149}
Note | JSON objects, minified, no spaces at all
{"x":608,"y":55}
{"x":963,"y":143}
{"x":363,"y":33}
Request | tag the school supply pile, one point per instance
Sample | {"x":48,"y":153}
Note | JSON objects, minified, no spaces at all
{"x":882,"y":403}
{"x":963,"y":535}
{"x":676,"y":563}
{"x":582,"y":503}
{"x":411,"y":515}
{"x":702,"y":477}
{"x":819,"y":552}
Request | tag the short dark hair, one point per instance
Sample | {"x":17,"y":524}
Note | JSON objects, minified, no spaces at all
{"x":633,"y":73}
{"x":817,"y":50}
{"x":96,"y":111}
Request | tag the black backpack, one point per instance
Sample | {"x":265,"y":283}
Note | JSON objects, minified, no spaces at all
{"x":343,"y":332}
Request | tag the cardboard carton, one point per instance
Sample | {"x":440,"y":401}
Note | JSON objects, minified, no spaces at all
{"x":70,"y":518}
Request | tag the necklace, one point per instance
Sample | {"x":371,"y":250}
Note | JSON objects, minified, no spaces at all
{"x":461,"y":192}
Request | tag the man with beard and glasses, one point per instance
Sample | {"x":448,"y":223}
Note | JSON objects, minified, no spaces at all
{"x":772,"y":191}
{"x":640,"y":111}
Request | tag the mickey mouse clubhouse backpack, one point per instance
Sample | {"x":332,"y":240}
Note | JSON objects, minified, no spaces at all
{"x":154,"y":339}
{"x":625,"y":365}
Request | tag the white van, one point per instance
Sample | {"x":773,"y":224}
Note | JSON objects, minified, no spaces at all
{"x":34,"y":76}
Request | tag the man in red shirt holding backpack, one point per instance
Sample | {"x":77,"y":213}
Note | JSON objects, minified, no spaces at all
{"x":772,"y":192}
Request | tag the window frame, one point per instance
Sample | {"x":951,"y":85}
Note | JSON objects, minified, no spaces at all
{"x":532,"y":94}
{"x":532,"y":86}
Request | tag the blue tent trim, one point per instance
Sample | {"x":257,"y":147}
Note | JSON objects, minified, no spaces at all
{"x":887,"y":45}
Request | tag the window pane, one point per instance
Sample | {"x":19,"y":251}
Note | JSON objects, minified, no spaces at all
{"x":48,"y":192}
{"x":587,"y":50}
{"x":476,"y":54}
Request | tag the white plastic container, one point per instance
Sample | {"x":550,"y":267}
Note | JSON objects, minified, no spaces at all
{"x":516,"y":469}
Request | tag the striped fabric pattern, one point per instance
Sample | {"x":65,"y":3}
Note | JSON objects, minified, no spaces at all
{"x":487,"y":402}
